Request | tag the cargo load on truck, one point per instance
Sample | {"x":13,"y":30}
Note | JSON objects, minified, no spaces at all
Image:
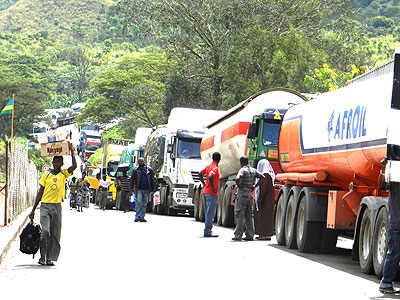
{"x":250,"y":128}
{"x":173,"y":152}
{"x":330,"y":151}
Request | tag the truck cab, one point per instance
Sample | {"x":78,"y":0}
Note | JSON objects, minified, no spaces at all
{"x":182,"y":165}
{"x":174,"y":155}
{"x":40,"y":132}
{"x":263,"y":137}
{"x":90,"y":141}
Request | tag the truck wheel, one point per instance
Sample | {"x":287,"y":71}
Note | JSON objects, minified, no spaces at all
{"x":307,"y":232}
{"x":219,"y":206}
{"x":201,"y":208}
{"x":379,"y":241}
{"x":365,"y":243}
{"x":290,"y":223}
{"x":150,"y":204}
{"x":169,"y":210}
{"x":163,"y":196}
{"x":280,"y":212}
{"x":196,"y":194}
{"x":227,"y":209}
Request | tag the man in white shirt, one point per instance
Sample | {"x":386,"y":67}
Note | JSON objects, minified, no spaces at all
{"x":103,"y":191}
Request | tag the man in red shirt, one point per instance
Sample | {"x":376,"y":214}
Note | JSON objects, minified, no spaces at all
{"x":210,"y":193}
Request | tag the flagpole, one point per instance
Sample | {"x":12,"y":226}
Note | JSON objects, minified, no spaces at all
{"x":12,"y":119}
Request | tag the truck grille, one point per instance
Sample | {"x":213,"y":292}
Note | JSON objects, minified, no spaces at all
{"x":195,"y":176}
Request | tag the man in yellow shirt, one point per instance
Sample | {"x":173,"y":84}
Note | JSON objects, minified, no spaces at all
{"x":51,"y":193}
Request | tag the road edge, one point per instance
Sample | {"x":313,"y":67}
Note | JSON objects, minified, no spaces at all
{"x":11,"y":232}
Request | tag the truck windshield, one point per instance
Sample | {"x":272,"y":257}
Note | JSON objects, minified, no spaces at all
{"x":90,"y":127}
{"x":92,"y":147}
{"x":189,"y":150}
{"x":112,"y":168}
{"x":271,"y":133}
{"x":92,"y":172}
{"x":39,"y":129}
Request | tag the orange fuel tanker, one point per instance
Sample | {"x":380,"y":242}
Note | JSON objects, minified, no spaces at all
{"x":330,"y":150}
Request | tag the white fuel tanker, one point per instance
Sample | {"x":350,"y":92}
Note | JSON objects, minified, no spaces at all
{"x":250,"y":128}
{"x":330,"y":151}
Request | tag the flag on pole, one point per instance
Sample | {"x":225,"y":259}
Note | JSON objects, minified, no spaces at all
{"x":8,"y":109}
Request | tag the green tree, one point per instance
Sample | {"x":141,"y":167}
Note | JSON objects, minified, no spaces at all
{"x":184,"y":92}
{"x":195,"y":33}
{"x":327,"y":79}
{"x":26,"y":76}
{"x":132,"y":89}
{"x":202,"y":35}
{"x":260,"y":60}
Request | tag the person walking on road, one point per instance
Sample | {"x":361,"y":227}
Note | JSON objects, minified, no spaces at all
{"x":103,"y":191}
{"x":210,"y":193}
{"x":82,"y":189}
{"x":143,"y":181}
{"x":264,"y":210}
{"x":72,"y":193}
{"x":51,"y":193}
{"x":393,"y":253}
{"x":125,"y":191}
{"x":244,"y":202}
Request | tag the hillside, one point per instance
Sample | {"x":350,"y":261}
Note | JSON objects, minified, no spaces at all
{"x":56,"y":18}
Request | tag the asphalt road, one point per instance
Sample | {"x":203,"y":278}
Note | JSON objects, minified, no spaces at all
{"x":105,"y":255}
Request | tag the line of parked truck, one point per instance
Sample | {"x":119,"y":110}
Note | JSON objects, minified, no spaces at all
{"x":326,"y":154}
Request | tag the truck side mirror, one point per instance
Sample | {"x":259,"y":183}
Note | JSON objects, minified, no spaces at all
{"x":252,"y":132}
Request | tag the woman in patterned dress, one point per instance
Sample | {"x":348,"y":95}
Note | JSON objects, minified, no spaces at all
{"x":82,"y":192}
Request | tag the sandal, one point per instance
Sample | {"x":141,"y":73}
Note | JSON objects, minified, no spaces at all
{"x":42,"y":262}
{"x":50,"y":263}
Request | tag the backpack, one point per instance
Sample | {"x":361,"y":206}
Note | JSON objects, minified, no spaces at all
{"x":30,"y":238}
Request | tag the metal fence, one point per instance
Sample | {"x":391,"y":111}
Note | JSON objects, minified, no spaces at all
{"x":21,"y":181}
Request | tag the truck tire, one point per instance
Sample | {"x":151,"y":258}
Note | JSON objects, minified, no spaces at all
{"x":150,"y":204}
{"x":290,"y":219}
{"x":379,"y":241}
{"x":196,"y":194}
{"x":280,"y":212}
{"x":201,"y":208}
{"x":227,"y":213}
{"x":169,"y":210}
{"x":307,"y":232}
{"x":155,"y":209}
{"x":163,"y":199}
{"x":219,"y":206}
{"x":365,"y":243}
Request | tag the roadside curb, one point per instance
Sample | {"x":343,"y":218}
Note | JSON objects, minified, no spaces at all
{"x":10,"y":233}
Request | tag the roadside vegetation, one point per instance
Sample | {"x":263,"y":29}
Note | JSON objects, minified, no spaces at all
{"x":132,"y":61}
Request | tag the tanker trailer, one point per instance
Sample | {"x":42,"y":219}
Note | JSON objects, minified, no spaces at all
{"x":330,"y":151}
{"x":250,"y":128}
